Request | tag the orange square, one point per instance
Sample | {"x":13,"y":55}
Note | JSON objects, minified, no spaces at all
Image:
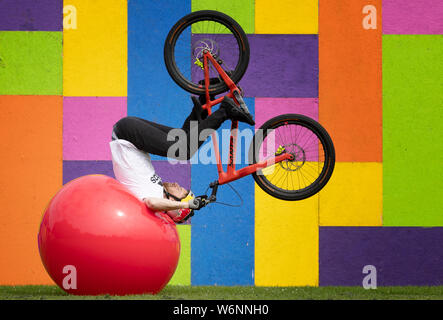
{"x":350,"y":79}
{"x":30,"y":174}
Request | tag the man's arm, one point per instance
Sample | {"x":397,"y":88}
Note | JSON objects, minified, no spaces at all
{"x":158,"y":204}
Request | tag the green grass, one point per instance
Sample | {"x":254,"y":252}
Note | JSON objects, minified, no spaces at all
{"x":237,"y":293}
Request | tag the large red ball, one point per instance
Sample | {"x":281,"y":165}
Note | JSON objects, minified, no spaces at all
{"x":115,"y":245}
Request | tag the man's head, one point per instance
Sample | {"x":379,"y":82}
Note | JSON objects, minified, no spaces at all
{"x":174,"y":191}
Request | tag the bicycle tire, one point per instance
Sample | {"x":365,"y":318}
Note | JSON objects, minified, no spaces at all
{"x":329,"y":161}
{"x":186,"y":21}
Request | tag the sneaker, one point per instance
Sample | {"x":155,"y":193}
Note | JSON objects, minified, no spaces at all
{"x":199,"y":111}
{"x":235,"y":112}
{"x":202,"y":98}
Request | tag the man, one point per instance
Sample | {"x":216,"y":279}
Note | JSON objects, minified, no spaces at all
{"x":133,"y":139}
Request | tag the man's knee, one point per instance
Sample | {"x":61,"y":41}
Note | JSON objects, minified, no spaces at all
{"x":122,"y":127}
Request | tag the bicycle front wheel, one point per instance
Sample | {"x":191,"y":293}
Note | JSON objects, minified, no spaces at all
{"x":313,"y":157}
{"x":203,"y":30}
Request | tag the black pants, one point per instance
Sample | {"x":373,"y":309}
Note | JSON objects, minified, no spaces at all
{"x":151,"y":137}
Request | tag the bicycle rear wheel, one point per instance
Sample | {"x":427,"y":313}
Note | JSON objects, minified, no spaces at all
{"x":208,"y":30}
{"x":313,"y":157}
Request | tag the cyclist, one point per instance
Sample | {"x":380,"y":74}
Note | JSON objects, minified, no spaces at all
{"x":133,"y":139}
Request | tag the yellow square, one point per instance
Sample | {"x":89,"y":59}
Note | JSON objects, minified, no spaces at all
{"x":286,"y":241}
{"x":353,"y":196}
{"x":95,"y":48}
{"x":182,"y":274}
{"x":286,"y":17}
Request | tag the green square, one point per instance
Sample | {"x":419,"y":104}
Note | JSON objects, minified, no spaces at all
{"x":412,"y":130}
{"x":242,"y":11}
{"x":182,"y":275}
{"x":31,"y":63}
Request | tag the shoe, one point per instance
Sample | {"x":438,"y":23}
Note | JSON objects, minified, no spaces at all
{"x":202,"y":98}
{"x":200,"y":113}
{"x":236,"y":112}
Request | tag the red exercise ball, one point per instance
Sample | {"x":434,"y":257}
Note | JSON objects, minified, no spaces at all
{"x":97,"y":238}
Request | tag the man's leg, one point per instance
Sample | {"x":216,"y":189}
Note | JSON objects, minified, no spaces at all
{"x":199,"y":121}
{"x":152,"y":137}
{"x":145,"y":135}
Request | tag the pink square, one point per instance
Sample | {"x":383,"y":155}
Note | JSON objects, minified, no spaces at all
{"x":87,"y":126}
{"x":267,"y":108}
{"x":412,"y":17}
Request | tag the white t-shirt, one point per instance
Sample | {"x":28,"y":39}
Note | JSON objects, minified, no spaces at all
{"x":133,"y":168}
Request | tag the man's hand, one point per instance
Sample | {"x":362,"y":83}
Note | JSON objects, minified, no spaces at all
{"x":197,"y":203}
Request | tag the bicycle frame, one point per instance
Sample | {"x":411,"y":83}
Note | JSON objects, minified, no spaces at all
{"x":231,"y":174}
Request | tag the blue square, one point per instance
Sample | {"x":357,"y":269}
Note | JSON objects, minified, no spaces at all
{"x":222,"y":236}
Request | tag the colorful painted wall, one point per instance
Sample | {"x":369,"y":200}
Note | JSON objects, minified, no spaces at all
{"x":378,"y":91}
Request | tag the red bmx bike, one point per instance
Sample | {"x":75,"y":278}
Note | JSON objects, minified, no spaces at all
{"x":291,"y":156}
